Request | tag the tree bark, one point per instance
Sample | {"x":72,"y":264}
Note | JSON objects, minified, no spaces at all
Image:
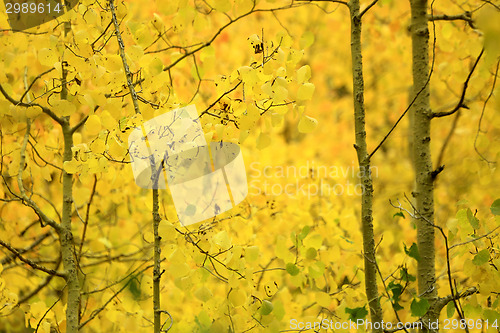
{"x":364,"y":165}
{"x":157,"y":263}
{"x":66,"y":239}
{"x":66,"y":234}
{"x":424,"y":182}
{"x":155,"y":198}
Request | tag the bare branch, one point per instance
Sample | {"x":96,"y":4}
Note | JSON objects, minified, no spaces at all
{"x":332,"y":1}
{"x":80,"y":123}
{"x":86,"y":221}
{"x":414,"y":98}
{"x":492,"y":4}
{"x":467,"y":17}
{"x":42,"y":285}
{"x":99,"y":310}
{"x":25,"y":199}
{"x":30,"y":262}
{"x":368,"y":8}
{"x":19,"y":103}
{"x":443,"y":301}
{"x":225,"y":26}
{"x":447,"y":140}
{"x":37,"y":241}
{"x":475,"y":239}
{"x":460,"y":103}
{"x":121,"y":46}
{"x":482,"y":113}
{"x":33,"y":82}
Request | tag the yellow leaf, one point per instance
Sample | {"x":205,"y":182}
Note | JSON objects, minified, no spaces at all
{"x":45,"y":172}
{"x":219,"y":129}
{"x":222,"y":240}
{"x":323,"y":299}
{"x":135,"y":52}
{"x":107,"y":120}
{"x":47,"y":57}
{"x":155,"y":66}
{"x":243,"y":136}
{"x":203,"y":294}
{"x":303,"y":74}
{"x":167,"y":231}
{"x":71,"y":167}
{"x":276,"y":119}
{"x":306,"y":40}
{"x":157,"y":22}
{"x":178,"y":270}
{"x":307,"y":124}
{"x":280,"y":93}
{"x":63,"y":108}
{"x":222,"y":5}
{"x":263,"y":141}
{"x":305,"y":91}
{"x":209,"y":136}
{"x":252,"y":253}
{"x":93,"y":125}
{"x":237,"y":297}
{"x":114,"y":62}
{"x":104,"y":241}
{"x":447,"y":30}
{"x":98,"y":146}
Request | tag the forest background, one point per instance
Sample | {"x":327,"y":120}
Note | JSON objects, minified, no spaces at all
{"x":79,"y":239}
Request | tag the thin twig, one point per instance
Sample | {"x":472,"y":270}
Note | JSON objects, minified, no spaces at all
{"x":30,"y":262}
{"x":121,"y":46}
{"x":482,"y":113}
{"x":460,"y":103}
{"x":368,"y":8}
{"x":467,"y":17}
{"x":27,"y":105}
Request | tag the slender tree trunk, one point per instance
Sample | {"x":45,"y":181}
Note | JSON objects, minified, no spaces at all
{"x":155,"y":198}
{"x":364,"y":165}
{"x":157,"y":262}
{"x":424,"y":185}
{"x":66,"y":239}
{"x":66,"y":235}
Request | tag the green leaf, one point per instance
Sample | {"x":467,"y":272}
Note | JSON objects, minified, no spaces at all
{"x":399,"y":214}
{"x":412,"y":251}
{"x":474,"y":222}
{"x":278,"y":309}
{"x":495,"y":207}
{"x":134,"y":287}
{"x":450,"y":309}
{"x":311,"y":253}
{"x":396,"y":290}
{"x":316,"y":270}
{"x":292,"y":269}
{"x":304,"y":232}
{"x":419,"y":307}
{"x":405,"y":276}
{"x":491,"y":315}
{"x":266,"y":308}
{"x":203,"y":321}
{"x":190,"y":210}
{"x":356,"y":313}
{"x":481,"y":257}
